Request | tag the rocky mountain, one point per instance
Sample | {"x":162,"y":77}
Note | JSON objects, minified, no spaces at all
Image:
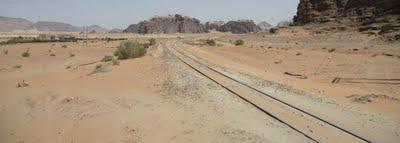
{"x":168,"y":24}
{"x":96,"y":29}
{"x":265,"y":25}
{"x":54,"y":26}
{"x":240,"y":27}
{"x":360,"y":12}
{"x":214,"y":25}
{"x":8,"y":24}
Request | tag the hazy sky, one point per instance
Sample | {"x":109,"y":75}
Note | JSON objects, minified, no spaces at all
{"x":121,"y":13}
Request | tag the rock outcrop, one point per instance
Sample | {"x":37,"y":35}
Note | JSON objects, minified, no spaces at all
{"x":359,"y":12}
{"x":168,"y":24}
{"x":8,"y":24}
{"x":54,"y":26}
{"x":240,"y":27}
{"x":214,"y":25}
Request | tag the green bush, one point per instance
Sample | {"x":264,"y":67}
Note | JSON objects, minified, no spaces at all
{"x":332,"y":50}
{"x":130,"y":50}
{"x":17,"y":66}
{"x":211,"y":42}
{"x":107,"y":58}
{"x":115,"y":62}
{"x":152,"y":41}
{"x":239,"y":42}
{"x":26,"y":54}
{"x":98,"y":67}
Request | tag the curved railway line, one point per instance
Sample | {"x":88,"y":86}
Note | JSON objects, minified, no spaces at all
{"x":303,"y":122}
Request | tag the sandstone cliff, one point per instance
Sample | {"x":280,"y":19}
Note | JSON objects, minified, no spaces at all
{"x":214,"y":25}
{"x":359,"y":12}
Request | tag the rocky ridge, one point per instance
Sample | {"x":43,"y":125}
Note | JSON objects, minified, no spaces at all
{"x":214,"y":25}
{"x":370,"y":16}
{"x":358,"y":12}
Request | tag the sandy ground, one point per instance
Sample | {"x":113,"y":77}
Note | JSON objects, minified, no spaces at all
{"x":270,"y":56}
{"x":156,"y":98}
{"x":265,"y":58}
{"x":151,"y":99}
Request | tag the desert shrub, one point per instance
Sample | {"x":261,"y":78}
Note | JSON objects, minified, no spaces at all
{"x":273,"y":30}
{"x":107,"y":58}
{"x":17,"y":66}
{"x":211,"y":42}
{"x":99,"y":69}
{"x":64,"y":46}
{"x":239,"y":42}
{"x":115,"y":62}
{"x":26,"y":54}
{"x":152,"y":41}
{"x":5,"y":52}
{"x":332,"y":50}
{"x":68,"y":67}
{"x":71,"y":55}
{"x":130,"y":50}
{"x":52,"y":54}
{"x":98,"y":66}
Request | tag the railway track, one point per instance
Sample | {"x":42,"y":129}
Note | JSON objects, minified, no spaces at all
{"x":303,"y":122}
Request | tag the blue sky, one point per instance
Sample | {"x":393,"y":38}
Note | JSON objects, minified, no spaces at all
{"x":121,"y":13}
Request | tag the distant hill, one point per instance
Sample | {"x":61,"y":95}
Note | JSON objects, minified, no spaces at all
{"x":54,"y":26}
{"x":116,"y":30}
{"x":8,"y":24}
{"x":284,"y":24}
{"x":96,"y":29}
{"x":264,"y":25}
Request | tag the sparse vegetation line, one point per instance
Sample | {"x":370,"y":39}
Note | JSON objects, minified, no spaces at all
{"x":21,"y":40}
